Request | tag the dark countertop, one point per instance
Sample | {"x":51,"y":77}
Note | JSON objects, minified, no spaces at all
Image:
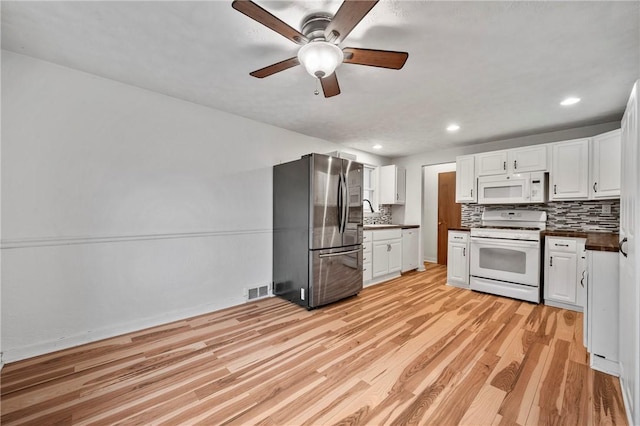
{"x":409,"y":226}
{"x":388,"y":226}
{"x":596,"y":241}
{"x":460,"y":229}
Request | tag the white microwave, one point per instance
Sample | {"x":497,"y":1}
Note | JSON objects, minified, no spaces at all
{"x":521,"y":188}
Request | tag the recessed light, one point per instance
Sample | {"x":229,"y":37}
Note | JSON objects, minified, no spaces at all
{"x":570,"y":101}
{"x":377,"y":146}
{"x":453,"y":128}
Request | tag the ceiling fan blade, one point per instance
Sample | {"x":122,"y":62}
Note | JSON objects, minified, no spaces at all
{"x":330,"y":85}
{"x":346,"y":18}
{"x":272,"y":69}
{"x":257,"y":13}
{"x":375,"y":58}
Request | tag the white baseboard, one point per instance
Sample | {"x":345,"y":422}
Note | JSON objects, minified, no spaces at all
{"x":430,"y":260}
{"x":41,"y":348}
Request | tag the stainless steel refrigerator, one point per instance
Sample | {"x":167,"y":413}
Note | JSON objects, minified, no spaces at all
{"x":317,"y":230}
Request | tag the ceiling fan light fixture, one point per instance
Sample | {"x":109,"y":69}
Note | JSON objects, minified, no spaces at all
{"x":320,"y":58}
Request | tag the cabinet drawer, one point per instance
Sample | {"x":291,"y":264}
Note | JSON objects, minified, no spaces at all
{"x":366,"y":247}
{"x":367,"y":256}
{"x":562,"y":244}
{"x":387,"y":234}
{"x":366,"y":271}
{"x":458,"y":237}
{"x":367,"y":236}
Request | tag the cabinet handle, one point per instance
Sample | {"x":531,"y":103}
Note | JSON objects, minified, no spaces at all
{"x":472,"y":192}
{"x":595,"y":187}
{"x":388,"y":247}
{"x":464,"y":252}
{"x":515,"y":164}
{"x":582,"y":280}
{"x":624,"y":240}
{"x":551,"y":261}
{"x":555,"y":187}
{"x":561,"y":245}
{"x":397,"y":196}
{"x":364,"y":258}
{"x":504,"y":165}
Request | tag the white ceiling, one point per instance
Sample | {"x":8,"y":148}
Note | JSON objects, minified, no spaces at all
{"x":499,"y":69}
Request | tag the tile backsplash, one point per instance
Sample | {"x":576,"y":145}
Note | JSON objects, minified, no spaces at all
{"x":561,"y":215}
{"x":381,"y":217}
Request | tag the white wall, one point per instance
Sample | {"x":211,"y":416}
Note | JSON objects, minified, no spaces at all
{"x":411,"y":211}
{"x":123,"y":208}
{"x":430,"y":209}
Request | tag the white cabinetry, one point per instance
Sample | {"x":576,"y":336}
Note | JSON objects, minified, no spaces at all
{"x":521,"y":160}
{"x":466,"y":181}
{"x":529,"y":159}
{"x":386,"y":254}
{"x":392,"y":184}
{"x":458,"y":259}
{"x":367,"y":251}
{"x":564,"y":273}
{"x":602,"y":310}
{"x":491,"y":163}
{"x":410,"y":249}
{"x":569,"y":176}
{"x":605,"y":166}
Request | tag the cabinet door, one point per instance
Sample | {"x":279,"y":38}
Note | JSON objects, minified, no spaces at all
{"x":570,"y":170}
{"x":530,"y":159}
{"x":409,"y":249}
{"x":395,"y":255}
{"x":392,"y":185}
{"x":457,"y":265}
{"x":401,"y":184}
{"x":380,"y":262}
{"x":466,"y":179}
{"x":605,"y":165}
{"x":561,"y":282}
{"x":491,"y":163}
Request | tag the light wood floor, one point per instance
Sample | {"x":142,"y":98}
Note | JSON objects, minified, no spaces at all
{"x":410,"y":351}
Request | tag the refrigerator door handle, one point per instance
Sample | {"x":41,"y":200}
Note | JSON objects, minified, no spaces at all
{"x":342,"y":253}
{"x":339,"y":209}
{"x":345,"y":203}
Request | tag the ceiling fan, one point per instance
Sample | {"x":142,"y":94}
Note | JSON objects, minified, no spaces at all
{"x":320,"y":36}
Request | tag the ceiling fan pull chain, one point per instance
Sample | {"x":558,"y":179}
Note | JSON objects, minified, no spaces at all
{"x":317,"y":92}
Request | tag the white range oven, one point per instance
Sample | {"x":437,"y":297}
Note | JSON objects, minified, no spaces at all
{"x":506,"y":253}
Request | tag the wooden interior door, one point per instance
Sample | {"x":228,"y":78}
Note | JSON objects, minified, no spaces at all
{"x":449,"y":212}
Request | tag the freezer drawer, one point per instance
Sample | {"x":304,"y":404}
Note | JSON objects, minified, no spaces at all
{"x":335,"y":274}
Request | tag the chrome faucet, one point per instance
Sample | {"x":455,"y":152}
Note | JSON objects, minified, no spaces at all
{"x":370,"y":206}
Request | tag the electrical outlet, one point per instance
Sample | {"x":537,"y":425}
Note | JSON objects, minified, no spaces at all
{"x":476,"y":209}
{"x":606,"y":209}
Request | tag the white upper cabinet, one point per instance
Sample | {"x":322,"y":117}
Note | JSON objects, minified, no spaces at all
{"x":466,"y":181}
{"x":605,"y":166}
{"x":491,"y":163}
{"x":392,"y":185}
{"x":529,"y":159}
{"x":520,"y":160}
{"x":569,"y":176}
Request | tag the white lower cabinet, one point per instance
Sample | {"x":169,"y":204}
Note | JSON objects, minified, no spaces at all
{"x":458,"y":259}
{"x":564,"y":272}
{"x":367,"y":252}
{"x":601,"y":313}
{"x":409,"y":249}
{"x":385,"y":255}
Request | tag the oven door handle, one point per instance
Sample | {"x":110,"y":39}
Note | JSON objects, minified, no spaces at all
{"x":491,"y":242}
